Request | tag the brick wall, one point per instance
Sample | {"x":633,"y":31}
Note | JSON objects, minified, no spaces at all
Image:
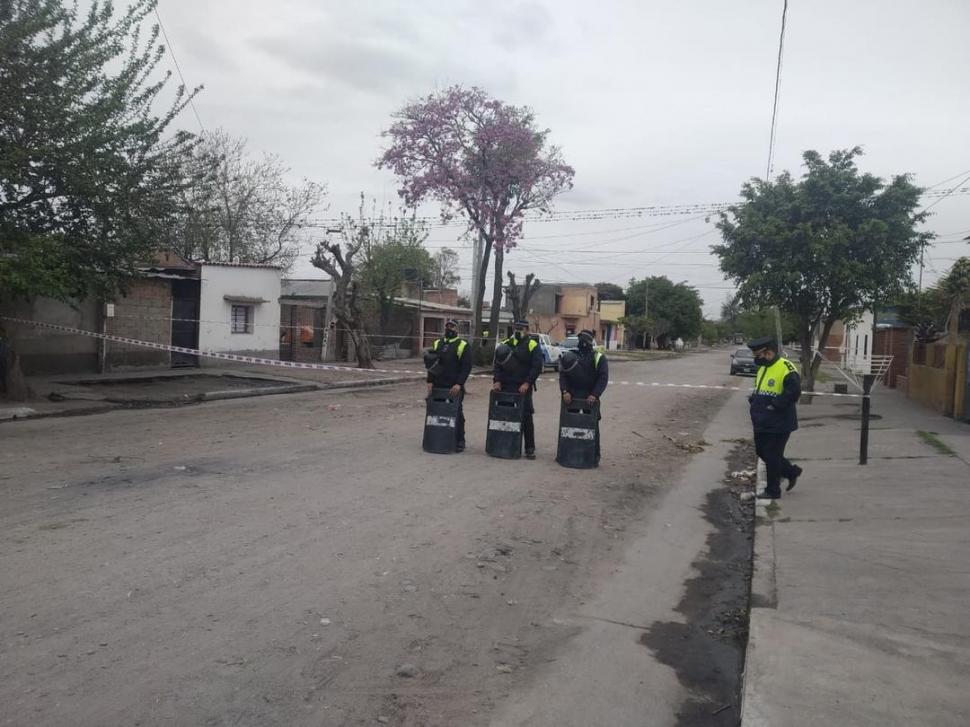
{"x":894,"y":342}
{"x":144,"y":313}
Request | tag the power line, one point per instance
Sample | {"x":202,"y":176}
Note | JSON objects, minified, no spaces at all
{"x":947,"y":193}
{"x":774,"y":107}
{"x":178,"y":69}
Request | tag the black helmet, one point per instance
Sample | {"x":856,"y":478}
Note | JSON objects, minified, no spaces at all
{"x":569,"y":361}
{"x":432,"y":362}
{"x":503,"y":355}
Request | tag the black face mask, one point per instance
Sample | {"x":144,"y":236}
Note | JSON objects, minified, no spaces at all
{"x":449,"y":333}
{"x":519,"y":335}
{"x":761,"y":361}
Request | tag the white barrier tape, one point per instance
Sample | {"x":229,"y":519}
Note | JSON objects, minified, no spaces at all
{"x":330,"y":367}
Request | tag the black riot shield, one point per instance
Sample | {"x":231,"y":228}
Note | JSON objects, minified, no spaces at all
{"x":577,"y":434}
{"x":440,"y":421}
{"x":505,"y":414}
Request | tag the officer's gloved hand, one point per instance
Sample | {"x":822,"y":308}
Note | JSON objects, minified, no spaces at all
{"x":567,"y":397}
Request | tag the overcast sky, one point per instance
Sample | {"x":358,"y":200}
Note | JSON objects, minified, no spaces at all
{"x":652,"y":102}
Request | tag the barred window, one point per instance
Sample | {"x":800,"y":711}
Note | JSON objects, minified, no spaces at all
{"x":242,"y":319}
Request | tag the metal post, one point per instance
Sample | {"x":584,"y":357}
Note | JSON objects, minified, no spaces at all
{"x":867,"y":382}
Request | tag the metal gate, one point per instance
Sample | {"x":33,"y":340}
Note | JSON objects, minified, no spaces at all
{"x":185,"y":321}
{"x":301,"y":333}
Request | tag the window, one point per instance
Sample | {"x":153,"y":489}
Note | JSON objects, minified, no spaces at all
{"x":242,"y":319}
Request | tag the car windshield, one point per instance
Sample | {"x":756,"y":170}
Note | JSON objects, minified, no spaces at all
{"x":743,"y":353}
{"x":571,"y":342}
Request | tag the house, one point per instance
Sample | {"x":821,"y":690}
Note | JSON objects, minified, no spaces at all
{"x":305,"y":320}
{"x":224,"y":307}
{"x":564,"y":309}
{"x":239,"y":308}
{"x":612,"y":332}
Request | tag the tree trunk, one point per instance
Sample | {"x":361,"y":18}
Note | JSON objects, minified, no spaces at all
{"x":362,"y":349}
{"x":807,"y":358}
{"x":14,"y":384}
{"x":479,"y":304}
{"x":496,"y":293}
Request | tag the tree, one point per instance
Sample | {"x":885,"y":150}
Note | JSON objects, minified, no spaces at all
{"x":479,"y":158}
{"x":730,"y":310}
{"x":519,"y":296}
{"x":932,"y":312}
{"x":393,"y":253}
{"x":609,"y":291}
{"x":756,"y":323}
{"x":670,"y":310}
{"x":87,"y":173}
{"x":446,"y":269}
{"x":240,"y":209}
{"x":823,"y":247}
{"x":338,"y":260}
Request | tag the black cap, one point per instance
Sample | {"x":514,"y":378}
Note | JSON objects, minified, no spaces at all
{"x":521,"y":324}
{"x":451,"y":322}
{"x":588,"y":333}
{"x":764,"y":342}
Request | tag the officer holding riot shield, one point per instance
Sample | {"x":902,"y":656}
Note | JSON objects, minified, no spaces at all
{"x":518,"y":363}
{"x":584,"y":375}
{"x":449,"y":363}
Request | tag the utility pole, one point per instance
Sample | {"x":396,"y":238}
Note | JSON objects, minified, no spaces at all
{"x":781,"y":344}
{"x":476,"y":269}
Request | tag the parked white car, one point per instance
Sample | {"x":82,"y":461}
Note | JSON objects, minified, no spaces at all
{"x":550,"y":351}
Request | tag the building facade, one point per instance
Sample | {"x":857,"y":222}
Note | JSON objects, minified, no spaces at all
{"x":564,"y":309}
{"x":239,"y":310}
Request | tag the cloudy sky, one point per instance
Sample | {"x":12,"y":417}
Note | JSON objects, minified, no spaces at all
{"x":652,"y":102}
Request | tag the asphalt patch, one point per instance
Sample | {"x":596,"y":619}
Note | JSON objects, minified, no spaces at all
{"x":707,"y":652}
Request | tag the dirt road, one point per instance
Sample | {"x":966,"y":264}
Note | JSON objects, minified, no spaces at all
{"x":297,"y":560}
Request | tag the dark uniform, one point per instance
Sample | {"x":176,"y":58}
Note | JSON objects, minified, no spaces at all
{"x":590,"y":378}
{"x":526,"y":365}
{"x":456,"y":365}
{"x":773,"y":415}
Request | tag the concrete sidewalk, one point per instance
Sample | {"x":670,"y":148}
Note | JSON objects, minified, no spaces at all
{"x":861,"y":588}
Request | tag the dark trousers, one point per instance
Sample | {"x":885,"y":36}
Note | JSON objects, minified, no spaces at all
{"x":460,"y":422}
{"x":771,"y":450}
{"x":528,"y":424}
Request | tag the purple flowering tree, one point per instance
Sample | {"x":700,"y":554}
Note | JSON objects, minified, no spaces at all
{"x":481,"y":159}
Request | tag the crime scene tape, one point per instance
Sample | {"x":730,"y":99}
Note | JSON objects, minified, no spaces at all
{"x":239,"y":358}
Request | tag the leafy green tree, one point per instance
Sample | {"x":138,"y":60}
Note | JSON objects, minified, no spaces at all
{"x":394,"y":253}
{"x":671,"y":310}
{"x":822,"y":247}
{"x":609,"y":291}
{"x":88,"y":175}
{"x":931,"y":311}
{"x":756,"y":323}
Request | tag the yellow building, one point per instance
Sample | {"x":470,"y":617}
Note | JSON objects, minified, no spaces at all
{"x":612,"y":333}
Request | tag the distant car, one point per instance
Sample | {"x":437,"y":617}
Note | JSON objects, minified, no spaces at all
{"x":571,"y":343}
{"x":551,"y":353}
{"x":742,"y":362}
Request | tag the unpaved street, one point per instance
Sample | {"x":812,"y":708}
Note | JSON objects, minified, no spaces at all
{"x":275,"y":561}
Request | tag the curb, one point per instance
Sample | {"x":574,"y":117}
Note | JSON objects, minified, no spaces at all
{"x":107,"y":405}
{"x":764,"y":596}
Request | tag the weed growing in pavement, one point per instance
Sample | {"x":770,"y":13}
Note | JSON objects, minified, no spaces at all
{"x":933,"y":439}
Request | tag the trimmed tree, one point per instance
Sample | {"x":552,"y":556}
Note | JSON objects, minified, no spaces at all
{"x":88,"y":177}
{"x":823,"y":247}
{"x":519,"y":296}
{"x":481,"y":159}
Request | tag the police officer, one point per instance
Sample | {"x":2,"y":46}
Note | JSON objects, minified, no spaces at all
{"x":453,"y":365}
{"x":584,"y":375}
{"x":519,"y":375}
{"x":776,"y":391}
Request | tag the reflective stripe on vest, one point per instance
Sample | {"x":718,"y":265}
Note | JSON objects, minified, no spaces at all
{"x":458,"y":352}
{"x":771,"y":379}
{"x":596,"y":359}
{"x":513,"y":343}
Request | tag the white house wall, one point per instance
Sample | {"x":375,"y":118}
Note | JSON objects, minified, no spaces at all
{"x":215,"y":312}
{"x":857,"y":346}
